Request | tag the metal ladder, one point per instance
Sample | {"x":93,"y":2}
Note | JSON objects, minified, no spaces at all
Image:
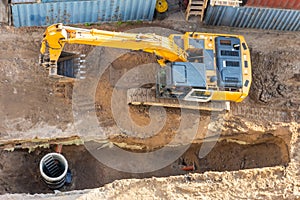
{"x":196,"y":8}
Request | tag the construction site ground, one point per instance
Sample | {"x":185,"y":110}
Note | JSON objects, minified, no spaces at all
{"x":257,"y":150}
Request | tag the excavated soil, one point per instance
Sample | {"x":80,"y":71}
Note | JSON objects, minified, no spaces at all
{"x":273,"y":99}
{"x":260,"y":132}
{"x":19,"y":170}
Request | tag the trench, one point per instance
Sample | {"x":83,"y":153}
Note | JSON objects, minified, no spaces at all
{"x":19,"y":169}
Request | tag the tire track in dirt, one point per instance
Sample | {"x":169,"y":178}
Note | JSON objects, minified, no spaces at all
{"x":275,"y":89}
{"x":274,"y":79}
{"x":264,"y":113}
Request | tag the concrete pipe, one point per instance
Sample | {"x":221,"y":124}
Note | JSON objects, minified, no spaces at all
{"x":53,"y":168}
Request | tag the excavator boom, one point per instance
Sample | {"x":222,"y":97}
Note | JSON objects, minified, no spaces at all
{"x":57,"y":35}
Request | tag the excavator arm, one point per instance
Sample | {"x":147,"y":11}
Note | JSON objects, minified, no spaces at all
{"x":57,"y":35}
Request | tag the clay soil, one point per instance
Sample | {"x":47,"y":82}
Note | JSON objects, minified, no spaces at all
{"x":259,"y":132}
{"x":19,"y":169}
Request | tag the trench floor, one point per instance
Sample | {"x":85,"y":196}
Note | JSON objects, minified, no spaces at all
{"x":19,"y":170}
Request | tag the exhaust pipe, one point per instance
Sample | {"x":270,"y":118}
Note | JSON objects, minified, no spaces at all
{"x":53,"y":168}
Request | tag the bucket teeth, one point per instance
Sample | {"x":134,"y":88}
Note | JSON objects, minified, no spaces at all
{"x":71,"y":65}
{"x":80,"y":67}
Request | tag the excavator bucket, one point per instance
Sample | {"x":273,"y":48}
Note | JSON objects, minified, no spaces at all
{"x":71,"y":65}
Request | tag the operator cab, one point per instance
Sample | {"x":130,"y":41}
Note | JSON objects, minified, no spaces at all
{"x":183,"y":80}
{"x":229,"y":63}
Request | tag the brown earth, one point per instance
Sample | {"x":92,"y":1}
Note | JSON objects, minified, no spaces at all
{"x":262,"y":131}
{"x":19,"y":170}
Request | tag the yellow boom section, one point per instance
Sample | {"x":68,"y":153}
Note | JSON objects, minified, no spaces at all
{"x":57,"y":35}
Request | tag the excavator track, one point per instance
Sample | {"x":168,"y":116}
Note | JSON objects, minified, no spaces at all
{"x":264,"y":113}
{"x":145,"y":96}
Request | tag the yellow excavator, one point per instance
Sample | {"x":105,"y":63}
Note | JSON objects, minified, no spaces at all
{"x":201,"y":67}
